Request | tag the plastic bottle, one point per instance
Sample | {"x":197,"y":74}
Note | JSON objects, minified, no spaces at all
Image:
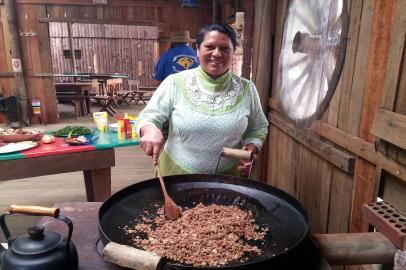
{"x":127,"y":126}
{"x":120,"y":128}
{"x":133,"y":132}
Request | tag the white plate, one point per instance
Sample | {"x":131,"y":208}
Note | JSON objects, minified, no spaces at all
{"x":16,"y":147}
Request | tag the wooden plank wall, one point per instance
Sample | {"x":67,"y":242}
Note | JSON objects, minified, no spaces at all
{"x":125,"y":49}
{"x":33,"y":17}
{"x":333,"y":167}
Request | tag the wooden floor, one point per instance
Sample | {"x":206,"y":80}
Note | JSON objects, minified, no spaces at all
{"x":132,"y":166}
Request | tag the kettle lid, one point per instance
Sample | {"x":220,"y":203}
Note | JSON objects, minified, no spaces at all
{"x":37,"y":241}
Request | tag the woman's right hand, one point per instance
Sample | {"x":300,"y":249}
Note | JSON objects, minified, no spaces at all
{"x":151,"y":141}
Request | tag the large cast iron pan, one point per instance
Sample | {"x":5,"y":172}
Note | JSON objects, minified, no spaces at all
{"x":272,"y":207}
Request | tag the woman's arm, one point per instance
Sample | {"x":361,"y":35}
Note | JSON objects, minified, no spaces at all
{"x":152,"y":118}
{"x":151,"y":141}
{"x":257,"y":129}
{"x":245,"y":165}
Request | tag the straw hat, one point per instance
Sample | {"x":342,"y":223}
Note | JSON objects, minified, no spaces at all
{"x":179,"y":37}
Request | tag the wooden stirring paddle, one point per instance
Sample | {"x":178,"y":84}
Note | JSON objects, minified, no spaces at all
{"x":171,"y":210}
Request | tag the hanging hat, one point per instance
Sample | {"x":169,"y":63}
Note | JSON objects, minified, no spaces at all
{"x":179,"y":37}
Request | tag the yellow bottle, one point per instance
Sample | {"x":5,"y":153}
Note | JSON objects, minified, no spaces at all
{"x":133,"y":133}
{"x":120,"y":128}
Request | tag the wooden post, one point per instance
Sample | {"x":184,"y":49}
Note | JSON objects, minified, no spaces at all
{"x":9,"y":11}
{"x":365,"y":182}
{"x":72,"y":50}
{"x":264,"y":26}
{"x":248,"y":36}
{"x":216,"y":11}
{"x":355,"y":248}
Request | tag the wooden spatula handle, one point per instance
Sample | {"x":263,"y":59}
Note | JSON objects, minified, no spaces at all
{"x":236,"y":153}
{"x":130,"y":257}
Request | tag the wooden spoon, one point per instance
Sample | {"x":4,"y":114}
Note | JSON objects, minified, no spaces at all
{"x":171,"y":210}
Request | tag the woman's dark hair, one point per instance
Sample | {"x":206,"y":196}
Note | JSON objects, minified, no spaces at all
{"x":219,"y":27}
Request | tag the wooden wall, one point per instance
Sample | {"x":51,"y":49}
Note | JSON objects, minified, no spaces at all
{"x":33,"y":17}
{"x":334,"y":167}
{"x":106,"y":48}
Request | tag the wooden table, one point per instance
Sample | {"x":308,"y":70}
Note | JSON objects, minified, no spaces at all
{"x":95,"y":160}
{"x":84,"y":216}
{"x":85,"y":235}
{"x":78,"y":92}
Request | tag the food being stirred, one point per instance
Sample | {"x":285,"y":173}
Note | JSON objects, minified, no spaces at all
{"x":205,"y":236}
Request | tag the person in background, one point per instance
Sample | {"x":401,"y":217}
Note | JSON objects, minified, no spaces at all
{"x":178,"y":58}
{"x":207,"y":108}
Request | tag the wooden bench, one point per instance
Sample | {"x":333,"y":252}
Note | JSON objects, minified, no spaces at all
{"x":144,"y":93}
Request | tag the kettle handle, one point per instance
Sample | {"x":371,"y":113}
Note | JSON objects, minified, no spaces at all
{"x":35,"y":211}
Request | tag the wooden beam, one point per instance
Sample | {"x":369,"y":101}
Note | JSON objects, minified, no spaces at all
{"x":360,"y":148}
{"x":9,"y":14}
{"x":396,"y":57}
{"x":391,"y":127}
{"x":355,"y":248}
{"x":138,"y":3}
{"x":336,"y":157}
{"x":360,"y":72}
{"x":72,"y":50}
{"x":347,"y":74}
{"x":216,"y":11}
{"x":366,"y":182}
{"x":264,"y":27}
{"x":97,"y":21}
{"x":353,"y":144}
{"x":249,"y":13}
{"x":7,"y":74}
{"x":42,"y":74}
{"x":56,"y":2}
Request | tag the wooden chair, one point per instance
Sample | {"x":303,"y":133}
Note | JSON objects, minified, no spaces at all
{"x":102,"y":97}
{"x":133,"y":89}
{"x":114,"y":86}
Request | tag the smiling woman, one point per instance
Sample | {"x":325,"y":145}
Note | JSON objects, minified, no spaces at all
{"x":215,"y":53}
{"x":206,"y":109}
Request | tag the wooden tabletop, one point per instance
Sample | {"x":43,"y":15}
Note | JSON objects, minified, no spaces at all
{"x":74,"y":83}
{"x":85,"y":235}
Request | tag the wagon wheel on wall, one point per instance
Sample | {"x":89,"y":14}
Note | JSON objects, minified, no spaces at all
{"x":312,"y":57}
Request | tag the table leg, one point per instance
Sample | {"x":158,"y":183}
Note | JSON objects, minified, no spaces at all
{"x":98,"y":184}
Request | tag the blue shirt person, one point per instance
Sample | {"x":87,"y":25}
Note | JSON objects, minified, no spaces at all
{"x":178,"y":58}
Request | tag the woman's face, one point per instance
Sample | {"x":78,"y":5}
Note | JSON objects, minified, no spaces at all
{"x":215,"y":53}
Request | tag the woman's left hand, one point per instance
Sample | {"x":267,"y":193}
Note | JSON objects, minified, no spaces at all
{"x":245,"y":164}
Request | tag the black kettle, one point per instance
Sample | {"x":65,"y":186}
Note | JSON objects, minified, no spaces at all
{"x":38,"y":249}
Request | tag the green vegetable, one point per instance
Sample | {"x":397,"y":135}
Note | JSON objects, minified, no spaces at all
{"x":73,"y":131}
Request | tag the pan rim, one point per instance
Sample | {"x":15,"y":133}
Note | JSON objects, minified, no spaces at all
{"x":217,"y":178}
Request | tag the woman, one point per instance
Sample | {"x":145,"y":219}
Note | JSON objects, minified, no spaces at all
{"x":207,"y":108}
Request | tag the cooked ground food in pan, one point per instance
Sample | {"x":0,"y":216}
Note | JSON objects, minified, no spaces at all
{"x":212,"y":235}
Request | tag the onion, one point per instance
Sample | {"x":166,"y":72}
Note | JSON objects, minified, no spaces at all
{"x":47,"y":138}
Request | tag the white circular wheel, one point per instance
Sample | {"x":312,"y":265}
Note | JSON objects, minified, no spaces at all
{"x":312,"y":57}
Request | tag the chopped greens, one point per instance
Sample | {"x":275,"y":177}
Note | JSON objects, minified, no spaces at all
{"x":73,"y":131}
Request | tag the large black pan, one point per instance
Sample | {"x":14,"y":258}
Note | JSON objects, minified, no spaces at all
{"x":272,"y":207}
